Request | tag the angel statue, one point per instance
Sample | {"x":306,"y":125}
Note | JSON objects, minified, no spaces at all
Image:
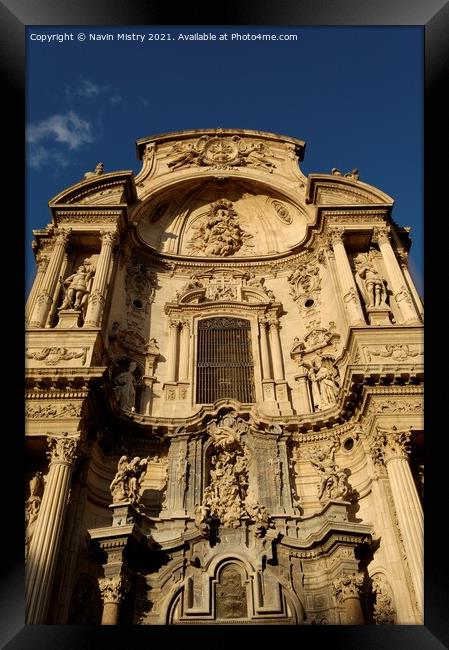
{"x":126,"y":483}
{"x":323,"y":378}
{"x":371,"y":285}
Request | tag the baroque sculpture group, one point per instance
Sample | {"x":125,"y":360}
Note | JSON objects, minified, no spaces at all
{"x":223,"y":395}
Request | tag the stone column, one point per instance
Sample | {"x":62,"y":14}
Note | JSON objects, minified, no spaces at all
{"x":390,"y":447}
{"x":42,"y":265}
{"x":113,"y":591}
{"x":172,"y":351}
{"x":97,"y":297}
{"x":403,"y":260}
{"x":347,"y":589}
{"x":397,"y":280}
{"x":276,"y":351}
{"x":44,"y":548}
{"x":347,"y":282}
{"x":264,"y":353}
{"x":304,"y":401}
{"x":44,"y":300}
{"x":184,"y":352}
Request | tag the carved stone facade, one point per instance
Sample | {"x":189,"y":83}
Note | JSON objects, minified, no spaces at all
{"x":223,"y":395}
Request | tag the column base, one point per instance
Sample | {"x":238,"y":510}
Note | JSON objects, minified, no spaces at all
{"x":69,"y":319}
{"x":379,"y":315}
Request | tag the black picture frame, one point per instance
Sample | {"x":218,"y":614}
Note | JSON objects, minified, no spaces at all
{"x":433,"y":16}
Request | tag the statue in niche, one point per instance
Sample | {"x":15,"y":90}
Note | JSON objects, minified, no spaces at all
{"x":125,"y":388}
{"x":221,"y":233}
{"x":323,"y":378}
{"x":76,"y":287}
{"x":371,"y":285}
{"x":333,"y":480}
{"x":126,"y":483}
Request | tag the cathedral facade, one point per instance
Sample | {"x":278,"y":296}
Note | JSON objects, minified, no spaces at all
{"x":224,"y":414}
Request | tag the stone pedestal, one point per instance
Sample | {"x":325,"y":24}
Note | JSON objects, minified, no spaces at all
{"x":69,"y":319}
{"x":379,"y":316}
{"x":304,"y":403}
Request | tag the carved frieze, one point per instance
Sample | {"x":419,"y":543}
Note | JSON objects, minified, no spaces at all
{"x":53,"y":410}
{"x":55,"y":355}
{"x":393,"y":351}
{"x":220,"y":152}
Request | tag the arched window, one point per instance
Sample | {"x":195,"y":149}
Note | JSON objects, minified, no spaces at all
{"x":225,"y":367}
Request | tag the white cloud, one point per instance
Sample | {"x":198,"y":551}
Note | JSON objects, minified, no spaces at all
{"x":39,"y":156}
{"x":68,"y":129}
{"x":88,"y":89}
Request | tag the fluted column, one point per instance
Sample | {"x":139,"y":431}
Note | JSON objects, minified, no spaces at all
{"x":403,"y":260}
{"x":44,"y":548}
{"x":264,"y":353}
{"x":113,"y":591}
{"x":347,"y":282}
{"x":390,"y":447}
{"x":42,"y":265}
{"x":348,"y":591}
{"x":397,"y":280}
{"x":97,"y":297}
{"x":173,"y":333}
{"x":44,"y":300}
{"x":184,"y":352}
{"x":276,"y":351}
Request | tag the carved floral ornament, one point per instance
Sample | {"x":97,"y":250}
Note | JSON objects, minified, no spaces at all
{"x":114,"y":589}
{"x":390,"y":443}
{"x":63,"y":449}
{"x":220,"y":153}
{"x":348,"y":586}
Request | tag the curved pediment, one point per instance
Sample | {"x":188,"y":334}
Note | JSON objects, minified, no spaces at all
{"x":339,"y":189}
{"x":222,"y":219}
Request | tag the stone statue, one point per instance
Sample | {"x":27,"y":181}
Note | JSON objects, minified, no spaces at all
{"x":322,"y":377}
{"x":76,"y":287}
{"x":333,"y":480}
{"x":220,"y":233}
{"x":125,"y":388}
{"x":126,"y":483}
{"x":98,"y":171}
{"x":370,"y":283}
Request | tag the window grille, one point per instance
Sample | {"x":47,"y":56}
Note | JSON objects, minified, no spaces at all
{"x":225,"y":366}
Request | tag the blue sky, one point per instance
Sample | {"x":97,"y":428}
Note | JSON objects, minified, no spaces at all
{"x":353,"y":94}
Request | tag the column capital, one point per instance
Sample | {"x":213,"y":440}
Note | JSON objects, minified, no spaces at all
{"x":114,"y":589}
{"x":63,"y":235}
{"x":175,"y":324}
{"x":335,"y":236}
{"x":109,"y":236}
{"x":273,"y":322}
{"x":348,"y":586}
{"x":63,"y":448}
{"x":381,"y":235}
{"x":389,"y":444}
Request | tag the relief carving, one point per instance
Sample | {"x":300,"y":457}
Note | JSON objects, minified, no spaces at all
{"x":305,"y":279}
{"x":398,"y":352}
{"x":220,"y":153}
{"x":52,"y":356}
{"x":126,"y":483}
{"x":384,"y":612}
{"x":231,"y":599}
{"x":52,"y":411}
{"x":32,"y":506}
{"x":333,"y":480}
{"x":220,"y":232}
{"x":227,"y":499}
{"x":282,"y":212}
